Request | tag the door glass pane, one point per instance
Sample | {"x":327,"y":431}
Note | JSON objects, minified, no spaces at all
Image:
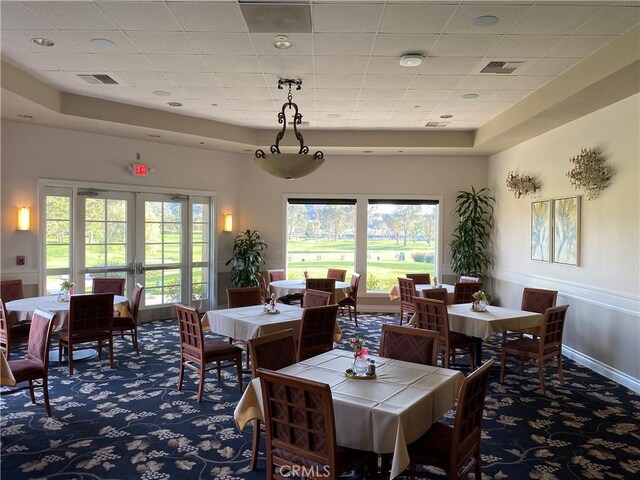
{"x":163,"y":286}
{"x":57,"y":231}
{"x":105,"y":232}
{"x":163,"y":232}
{"x":53,"y":282}
{"x":200,"y":285}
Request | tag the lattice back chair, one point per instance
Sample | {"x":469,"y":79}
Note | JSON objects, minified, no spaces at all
{"x":35,"y":366}
{"x":407,"y":294}
{"x":549,"y":345}
{"x":464,"y":278}
{"x":244,"y":297}
{"x":350,"y":302}
{"x":272,"y":352}
{"x":109,"y":285}
{"x":90,"y":321}
{"x":456,"y":450}
{"x":300,"y":429}
{"x":315,"y":298}
{"x":538,"y":299}
{"x":433,"y":315}
{"x":11,"y":334}
{"x":316,"y":331}
{"x":409,"y":344}
{"x":265,"y":295}
{"x":129,"y":325}
{"x":324,"y":284}
{"x":11,"y":290}
{"x":276,"y":274}
{"x":337,"y":274}
{"x":420,"y":278}
{"x":436,"y":294}
{"x":463,"y":291}
{"x":196,"y":352}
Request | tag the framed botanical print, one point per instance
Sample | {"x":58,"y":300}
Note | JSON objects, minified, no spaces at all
{"x":566,"y":230}
{"x":541,"y":230}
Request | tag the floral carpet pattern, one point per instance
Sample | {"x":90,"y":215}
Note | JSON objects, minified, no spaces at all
{"x":132,"y":423}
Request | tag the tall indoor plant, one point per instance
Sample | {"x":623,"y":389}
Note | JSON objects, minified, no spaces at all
{"x":470,"y":245}
{"x":248,"y":258}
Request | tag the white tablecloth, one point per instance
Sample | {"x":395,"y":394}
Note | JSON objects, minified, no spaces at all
{"x":21,"y":310}
{"x":494,"y":320}
{"x":381,"y":415}
{"x":245,"y":323}
{"x":286,"y":287}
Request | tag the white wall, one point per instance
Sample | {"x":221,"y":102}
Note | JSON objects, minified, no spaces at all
{"x":603,"y":327}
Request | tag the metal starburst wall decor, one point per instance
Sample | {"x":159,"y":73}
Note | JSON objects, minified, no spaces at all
{"x":590,"y":173}
{"x":522,"y":184}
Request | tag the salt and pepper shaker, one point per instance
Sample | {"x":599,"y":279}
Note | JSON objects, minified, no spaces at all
{"x":371,"y":367}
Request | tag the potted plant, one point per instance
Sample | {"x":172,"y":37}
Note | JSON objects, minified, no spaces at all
{"x":248,"y":258}
{"x":470,"y":244}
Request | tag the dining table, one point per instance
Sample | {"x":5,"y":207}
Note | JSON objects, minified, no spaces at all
{"x":383,"y":414}
{"x":285,"y":287}
{"x":420,"y":287}
{"x":245,"y":323}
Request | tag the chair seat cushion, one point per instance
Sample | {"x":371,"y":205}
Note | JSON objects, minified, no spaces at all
{"x":26,"y":369}
{"x":123,"y":323}
{"x":527,"y":345}
{"x":217,"y":349}
{"x":459,"y":339}
{"x":434,"y":447}
{"x":92,"y":337}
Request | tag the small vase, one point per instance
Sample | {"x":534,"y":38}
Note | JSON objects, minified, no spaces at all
{"x":63,"y":296}
{"x":360,"y":365}
{"x":481,"y":305}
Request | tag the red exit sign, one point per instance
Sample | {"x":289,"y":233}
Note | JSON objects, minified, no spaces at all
{"x":140,"y":169}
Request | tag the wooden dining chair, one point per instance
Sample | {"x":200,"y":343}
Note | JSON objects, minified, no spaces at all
{"x":456,"y":449}
{"x":463,"y":291}
{"x":35,"y":366}
{"x":407,"y":293}
{"x":108,"y":285}
{"x":337,"y":274}
{"x":548,"y":346}
{"x":433,"y":315}
{"x":415,"y":345}
{"x":350,"y":302}
{"x":465,"y":278}
{"x":276,"y":274}
{"x":316,"y":331}
{"x":420,"y":278}
{"x":273,"y":352}
{"x":129,"y":325}
{"x":11,"y":290}
{"x":265,"y":295}
{"x":436,"y":294}
{"x":301,"y":432}
{"x":243,"y":297}
{"x":11,"y":334}
{"x":324,"y":284}
{"x":538,"y":299}
{"x":315,"y":298}
{"x":196,"y":353}
{"x":90,"y":322}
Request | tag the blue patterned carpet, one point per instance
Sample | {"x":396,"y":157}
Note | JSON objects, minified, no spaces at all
{"x":132,"y":423}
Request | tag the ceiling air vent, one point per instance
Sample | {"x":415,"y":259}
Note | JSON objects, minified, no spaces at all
{"x":98,"y":79}
{"x":501,"y":67}
{"x":436,"y":124}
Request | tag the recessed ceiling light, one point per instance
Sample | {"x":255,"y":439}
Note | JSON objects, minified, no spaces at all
{"x":484,"y":21}
{"x":367,"y":151}
{"x":282,"y":42}
{"x":24,"y":115}
{"x":43,"y":42}
{"x":400,"y":151}
{"x":469,"y":96}
{"x":214,"y":104}
{"x":201,"y":143}
{"x":174,"y":104}
{"x":102,"y":43}
{"x":154,"y":135}
{"x":411,"y":60}
{"x":161,"y":93}
{"x":446,"y":116}
{"x":416,"y":106}
{"x":334,"y":115}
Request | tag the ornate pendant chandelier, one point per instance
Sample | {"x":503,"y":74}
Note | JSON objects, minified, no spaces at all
{"x":289,"y":165}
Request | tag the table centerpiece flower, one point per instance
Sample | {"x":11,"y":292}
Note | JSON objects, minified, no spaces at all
{"x":272,"y":305}
{"x":480,"y":301}
{"x":360,"y":353}
{"x":66,"y":289}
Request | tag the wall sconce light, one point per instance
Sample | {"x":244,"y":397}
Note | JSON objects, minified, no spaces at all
{"x":228,"y":223}
{"x":24,"y":219}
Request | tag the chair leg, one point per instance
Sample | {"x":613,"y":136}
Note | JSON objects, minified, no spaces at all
{"x":255,"y":445}
{"x":478,"y":467}
{"x":45,"y":394}
{"x":401,"y":313}
{"x":70,"y":357}
{"x":541,"y":374}
{"x":218,"y":370}
{"x":504,"y":360}
{"x":355,"y":315}
{"x":180,"y":374}
{"x":59,"y":353}
{"x":31,"y":392}
{"x":111,"y":351}
{"x":239,"y":366}
{"x":201,"y":382}
{"x":560,"y":376}
{"x":134,"y":338}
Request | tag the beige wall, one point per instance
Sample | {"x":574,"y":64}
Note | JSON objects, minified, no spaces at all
{"x":603,"y":327}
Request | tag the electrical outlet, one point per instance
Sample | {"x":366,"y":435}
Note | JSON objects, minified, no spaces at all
{"x":20,"y":260}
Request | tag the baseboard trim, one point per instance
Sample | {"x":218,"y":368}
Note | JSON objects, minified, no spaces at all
{"x":603,"y":369}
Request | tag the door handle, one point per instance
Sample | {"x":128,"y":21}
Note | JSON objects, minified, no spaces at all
{"x":139,"y":268}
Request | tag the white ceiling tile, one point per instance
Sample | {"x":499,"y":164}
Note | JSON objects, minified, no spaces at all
{"x":524,"y":46}
{"x":419,"y":95}
{"x":258,"y":105}
{"x":438,"y":82}
{"x":389,"y":65}
{"x":364,"y":123}
{"x":145,"y":79}
{"x":16,"y":16}
{"x":209,"y":17}
{"x":343,"y":44}
{"x":348,"y":94}
{"x":346,"y":17}
{"x":339,"y":81}
{"x":376,"y":106}
{"x":241,"y":80}
{"x":20,"y":40}
{"x":249,"y":93}
{"x":550,"y":66}
{"x":554,"y":19}
{"x":140,"y":15}
{"x":507,"y":16}
{"x":182,"y":79}
{"x":369,"y":115}
{"x":579,"y":46}
{"x":219,"y":105}
{"x":509,"y":95}
{"x":384,"y":94}
{"x":29,"y":61}
{"x":341,"y":64}
{"x":83,"y":39}
{"x":280,"y":94}
{"x":302,"y":44}
{"x":396,"y":45}
{"x":449,"y":66}
{"x":233,"y":63}
{"x":408,"y":115}
{"x":329,"y":106}
{"x":74,"y":61}
{"x":387,"y":81}
{"x":487,"y":82}
{"x":530,"y":82}
{"x":464,"y":45}
{"x":611,"y":21}
{"x":162,"y":42}
{"x":126,"y":62}
{"x":420,"y":107}
{"x":179,"y":63}
{"x":483,"y":95}
{"x":147,"y":92}
{"x":72,"y":15}
{"x":416,"y":18}
{"x":222,"y":43}
{"x":287,"y":65}
{"x":209,"y":93}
